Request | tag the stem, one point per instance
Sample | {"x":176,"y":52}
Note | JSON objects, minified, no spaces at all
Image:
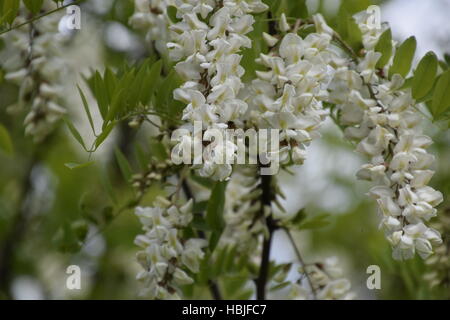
{"x":266,"y":198}
{"x":302,"y":262}
{"x":39,"y":17}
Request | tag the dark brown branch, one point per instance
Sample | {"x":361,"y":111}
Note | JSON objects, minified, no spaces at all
{"x":266,"y":199}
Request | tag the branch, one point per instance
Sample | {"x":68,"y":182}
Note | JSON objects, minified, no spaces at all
{"x":266,"y":199}
{"x":40,"y":16}
{"x":302,"y":262}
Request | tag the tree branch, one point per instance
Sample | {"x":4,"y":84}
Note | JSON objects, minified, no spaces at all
{"x":266,"y":199}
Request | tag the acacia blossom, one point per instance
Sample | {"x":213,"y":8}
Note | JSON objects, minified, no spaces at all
{"x":166,"y":256}
{"x":150,"y":16}
{"x":381,"y":116}
{"x":327,"y":281}
{"x":242,"y":206}
{"x":207,"y":42}
{"x":34,"y":62}
{"x":289,"y":95}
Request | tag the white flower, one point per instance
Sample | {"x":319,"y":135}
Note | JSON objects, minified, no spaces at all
{"x":165,"y":256}
{"x":381,"y":116}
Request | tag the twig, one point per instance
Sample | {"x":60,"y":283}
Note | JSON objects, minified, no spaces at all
{"x":302,"y":262}
{"x":39,"y":17}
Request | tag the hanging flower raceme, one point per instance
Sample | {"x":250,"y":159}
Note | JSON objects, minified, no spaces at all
{"x":207,"y":42}
{"x":289,"y":95}
{"x":166,"y":257}
{"x":150,"y":16}
{"x":242,"y":208}
{"x":381,"y":116}
{"x":34,"y":62}
{"x":327,"y":281}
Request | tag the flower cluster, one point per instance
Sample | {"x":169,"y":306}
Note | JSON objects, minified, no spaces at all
{"x":34,"y":63}
{"x":381,"y":116}
{"x":166,"y":256}
{"x":289,"y":95}
{"x":207,"y":42}
{"x":242,"y":207}
{"x":327,"y":281}
{"x":150,"y":16}
{"x":439,"y":263}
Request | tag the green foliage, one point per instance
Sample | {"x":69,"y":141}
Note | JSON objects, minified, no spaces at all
{"x":6,"y":144}
{"x":172,"y":14}
{"x":8,"y":11}
{"x":214,"y":212}
{"x":315,"y":222}
{"x":124,"y":165}
{"x":33,"y":5}
{"x":74,"y":165}
{"x":384,"y":46}
{"x":441,"y":95}
{"x":424,"y":76}
{"x":403,"y":57}
{"x":348,"y":29}
{"x":296,"y":9}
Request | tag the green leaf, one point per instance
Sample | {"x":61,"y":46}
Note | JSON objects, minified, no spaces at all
{"x":5,"y":141}
{"x":86,"y":108}
{"x":10,"y":8}
{"x":110,"y":81}
{"x":150,"y":81}
{"x":404,"y":57}
{"x":280,"y":286}
{"x":75,"y":165}
{"x":298,"y":9}
{"x":158,"y":150}
{"x":214,"y":212}
{"x":172,"y":14}
{"x":316,"y":222}
{"x":106,"y":131}
{"x":354,"y":34}
{"x":74,"y":132}
{"x":33,"y":5}
{"x":101,"y":94}
{"x":384,"y":46}
{"x":204,"y":182}
{"x":65,"y":239}
{"x":424,"y":76}
{"x":124,"y":165}
{"x":116,"y":104}
{"x":441,"y":96}
{"x":80,"y":229}
{"x":214,"y":209}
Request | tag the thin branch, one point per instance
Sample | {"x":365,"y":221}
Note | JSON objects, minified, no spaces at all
{"x":302,"y":262}
{"x":39,"y":17}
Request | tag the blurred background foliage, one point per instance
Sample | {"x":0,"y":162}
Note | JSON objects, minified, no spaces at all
{"x":60,"y":205}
